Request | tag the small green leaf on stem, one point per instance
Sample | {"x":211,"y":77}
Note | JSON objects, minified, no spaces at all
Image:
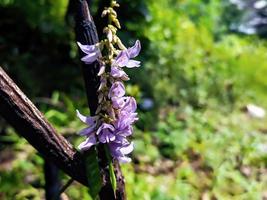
{"x":93,"y":173}
{"x":112,"y":175}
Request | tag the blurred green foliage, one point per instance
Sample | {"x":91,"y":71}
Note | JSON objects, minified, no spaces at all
{"x":195,"y":142}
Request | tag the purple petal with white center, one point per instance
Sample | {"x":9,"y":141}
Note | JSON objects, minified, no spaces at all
{"x":87,"y":48}
{"x":134,"y":50}
{"x":106,"y":136}
{"x":117,"y":90}
{"x":103,"y":127}
{"x":87,"y":144}
{"x":133,"y":63}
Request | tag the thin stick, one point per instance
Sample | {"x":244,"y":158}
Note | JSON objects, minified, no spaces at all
{"x":57,"y":196}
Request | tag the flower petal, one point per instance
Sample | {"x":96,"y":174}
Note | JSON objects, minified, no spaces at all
{"x":119,"y":102}
{"x":122,"y":59}
{"x":134,"y":50}
{"x":117,"y":90}
{"x":87,"y":48}
{"x":127,"y":149}
{"x":124,"y":159}
{"x":91,"y":121}
{"x":90,"y":141}
{"x":128,"y":130}
{"x":87,"y":131}
{"x":90,"y":58}
{"x":118,"y":73}
{"x":106,"y":137}
{"x":133,"y":63}
{"x":103,"y":127}
{"x":130,"y":105}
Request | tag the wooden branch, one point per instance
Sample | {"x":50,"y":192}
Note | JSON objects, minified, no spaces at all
{"x":86,"y":34}
{"x":29,"y":122}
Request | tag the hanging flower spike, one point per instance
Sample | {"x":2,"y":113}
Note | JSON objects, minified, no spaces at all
{"x":116,"y":113}
{"x":92,"y":53}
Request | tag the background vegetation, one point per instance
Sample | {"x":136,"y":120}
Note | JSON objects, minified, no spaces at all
{"x":194,"y":139}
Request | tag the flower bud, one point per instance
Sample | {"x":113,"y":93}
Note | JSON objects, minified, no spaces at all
{"x":117,"y":23}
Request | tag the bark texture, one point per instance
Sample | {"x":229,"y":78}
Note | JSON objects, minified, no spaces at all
{"x":30,"y":123}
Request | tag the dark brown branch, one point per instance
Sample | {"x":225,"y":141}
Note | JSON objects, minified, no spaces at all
{"x":86,"y":34}
{"x":52,"y":180}
{"x":29,"y":122}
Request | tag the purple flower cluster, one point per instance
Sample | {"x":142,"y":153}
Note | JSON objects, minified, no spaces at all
{"x":116,"y":112}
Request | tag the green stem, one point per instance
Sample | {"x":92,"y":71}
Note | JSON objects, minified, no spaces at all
{"x":111,"y":170}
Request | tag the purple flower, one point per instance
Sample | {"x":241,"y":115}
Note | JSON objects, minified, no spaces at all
{"x":127,"y":131}
{"x":117,"y":90}
{"x":119,"y":150}
{"x":127,"y":115}
{"x":124,"y":57}
{"x":90,"y":121}
{"x":92,"y":53}
{"x":115,"y":125}
{"x":119,"y":102}
{"x":134,"y":50}
{"x":125,"y":119}
{"x":118,"y":73}
{"x":90,"y":141}
{"x":106,"y":133}
{"x":130,"y":105}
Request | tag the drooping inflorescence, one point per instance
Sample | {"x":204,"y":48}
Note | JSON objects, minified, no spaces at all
{"x":116,"y":112}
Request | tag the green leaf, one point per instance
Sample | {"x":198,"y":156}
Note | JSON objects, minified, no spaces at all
{"x":112,"y":175}
{"x":93,"y":173}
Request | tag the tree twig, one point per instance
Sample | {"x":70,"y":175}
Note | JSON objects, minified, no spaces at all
{"x":30,"y":123}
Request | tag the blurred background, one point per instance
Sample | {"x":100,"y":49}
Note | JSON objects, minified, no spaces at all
{"x":201,"y":94}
